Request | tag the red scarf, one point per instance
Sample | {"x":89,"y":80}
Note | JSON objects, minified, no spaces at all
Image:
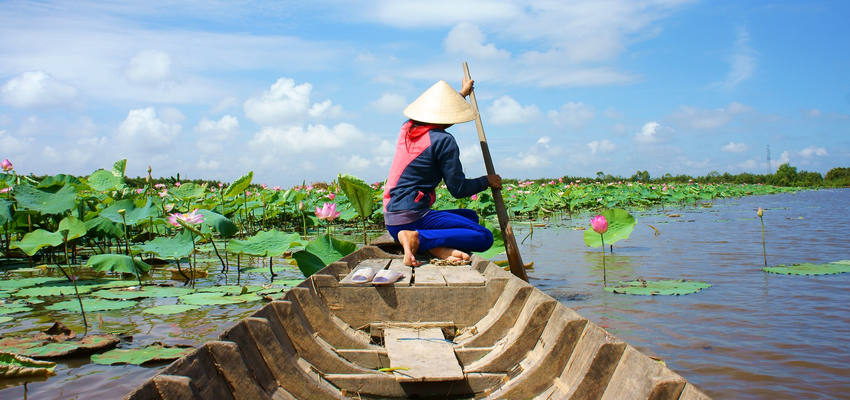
{"x":416,"y":130}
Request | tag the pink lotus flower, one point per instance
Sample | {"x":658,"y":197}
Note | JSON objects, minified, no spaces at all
{"x":220,"y":184}
{"x":276,"y":188}
{"x":6,"y":165}
{"x":163,"y":193}
{"x":264,"y":186}
{"x":309,"y":188}
{"x":159,"y":185}
{"x":247,"y":193}
{"x":189,"y":218}
{"x":331,"y":196}
{"x":561,"y":180}
{"x":168,"y":207}
{"x":140,"y":191}
{"x":473,"y":197}
{"x":327,"y":212}
{"x":6,"y":190}
{"x":599,"y":224}
{"x":177,"y":184}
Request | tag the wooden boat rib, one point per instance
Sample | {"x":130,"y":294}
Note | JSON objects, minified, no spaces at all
{"x":441,"y":332}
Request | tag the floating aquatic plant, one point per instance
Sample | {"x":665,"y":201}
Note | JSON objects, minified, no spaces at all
{"x":662,"y":287}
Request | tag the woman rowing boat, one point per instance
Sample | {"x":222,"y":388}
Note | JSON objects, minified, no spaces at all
{"x":425,"y":155}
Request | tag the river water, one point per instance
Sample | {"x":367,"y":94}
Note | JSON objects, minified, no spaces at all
{"x":752,"y":335}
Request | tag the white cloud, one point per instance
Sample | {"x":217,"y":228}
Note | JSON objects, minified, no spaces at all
{"x":812,"y":151}
{"x":208,"y":165}
{"x":214,"y":134}
{"x":814,"y":113}
{"x":572,"y":114}
{"x":286,"y":104}
{"x":36,"y":89}
{"x":506,"y":110}
{"x":149,"y":66}
{"x":537,"y":156}
{"x":742,"y":62}
{"x":649,"y":133}
{"x":296,"y":139}
{"x":390,"y":103}
{"x":733,"y":147}
{"x":696,"y":118}
{"x":467,"y":39}
{"x":143,"y":130}
{"x":10,"y":144}
{"x":601,"y":146}
{"x":171,"y":115}
{"x":357,"y":163}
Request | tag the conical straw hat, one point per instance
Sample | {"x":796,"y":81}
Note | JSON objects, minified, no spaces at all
{"x":440,"y":104}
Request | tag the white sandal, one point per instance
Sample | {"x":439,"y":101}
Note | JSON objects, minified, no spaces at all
{"x":363,"y":275}
{"x":386,"y":277}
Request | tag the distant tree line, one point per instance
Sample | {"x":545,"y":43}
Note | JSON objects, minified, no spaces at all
{"x":785,"y":175}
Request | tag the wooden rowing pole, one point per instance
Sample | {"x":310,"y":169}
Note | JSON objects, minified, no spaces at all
{"x":514,"y":259}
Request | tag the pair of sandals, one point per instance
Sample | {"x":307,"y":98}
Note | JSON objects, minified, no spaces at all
{"x":382,"y":277}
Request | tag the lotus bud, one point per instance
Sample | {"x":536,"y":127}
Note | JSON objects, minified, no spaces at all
{"x":760,"y":212}
{"x":599,"y":224}
{"x":122,"y":211}
{"x":6,"y":165}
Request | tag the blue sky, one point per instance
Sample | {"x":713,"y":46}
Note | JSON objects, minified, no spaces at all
{"x":304,"y":90}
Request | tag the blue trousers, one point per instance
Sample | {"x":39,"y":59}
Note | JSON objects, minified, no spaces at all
{"x":456,"y":229}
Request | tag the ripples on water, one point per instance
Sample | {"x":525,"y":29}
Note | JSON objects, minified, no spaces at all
{"x":752,"y":334}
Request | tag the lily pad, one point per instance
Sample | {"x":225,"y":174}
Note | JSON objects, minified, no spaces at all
{"x":359,"y":193}
{"x":132,"y":213}
{"x":66,"y":289}
{"x":266,"y":244}
{"x":5,"y":319}
{"x":91,"y":305}
{"x":18,"y":366}
{"x":208,"y":299}
{"x":238,"y":186}
{"x":103,"y":180}
{"x":175,"y":247}
{"x":664,"y":287}
{"x":321,"y":252}
{"x":12,"y":284}
{"x":837,"y":267}
{"x":117,"y":263}
{"x":150,"y":354}
{"x":170,"y":309}
{"x":36,"y":240}
{"x":144,"y":292}
{"x":223,"y":225}
{"x":230,"y":289}
{"x":87,"y":345}
{"x":13,"y":308}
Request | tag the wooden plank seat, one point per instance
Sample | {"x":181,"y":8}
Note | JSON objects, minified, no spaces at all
{"x":421,"y":354}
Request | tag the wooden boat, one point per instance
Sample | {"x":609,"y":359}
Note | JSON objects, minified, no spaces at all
{"x":471,"y":331}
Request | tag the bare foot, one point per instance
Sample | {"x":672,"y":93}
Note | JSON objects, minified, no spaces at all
{"x":450,"y":254}
{"x":410,"y":242}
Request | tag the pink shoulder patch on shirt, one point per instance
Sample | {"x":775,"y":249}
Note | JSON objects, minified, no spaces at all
{"x":406,"y":151}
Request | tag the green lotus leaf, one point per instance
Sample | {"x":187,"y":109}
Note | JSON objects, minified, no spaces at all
{"x":359,"y":193}
{"x":223,"y":225}
{"x":117,"y":263}
{"x":620,"y":226}
{"x":498,"y":246}
{"x":30,"y":198}
{"x":133,"y":214}
{"x":13,"y":308}
{"x":18,"y":366}
{"x":103,"y":227}
{"x":146,"y":355}
{"x":5,"y":211}
{"x":265,"y":244}
{"x":169,"y":248}
{"x":5,"y":319}
{"x":119,"y":167}
{"x":86,"y":345}
{"x":91,"y":305}
{"x":73,"y":226}
{"x":664,"y":287}
{"x":104,"y":181}
{"x":320,"y":252}
{"x":277,"y":268}
{"x":36,"y":240}
{"x":837,"y":267}
{"x":238,"y":186}
{"x":188,"y":191}
{"x":208,"y":299}
{"x":230,"y":289}
{"x":144,"y":292}
{"x":170,"y":309}
{"x":63,"y":289}
{"x":58,"y":180}
{"x":17,"y":283}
